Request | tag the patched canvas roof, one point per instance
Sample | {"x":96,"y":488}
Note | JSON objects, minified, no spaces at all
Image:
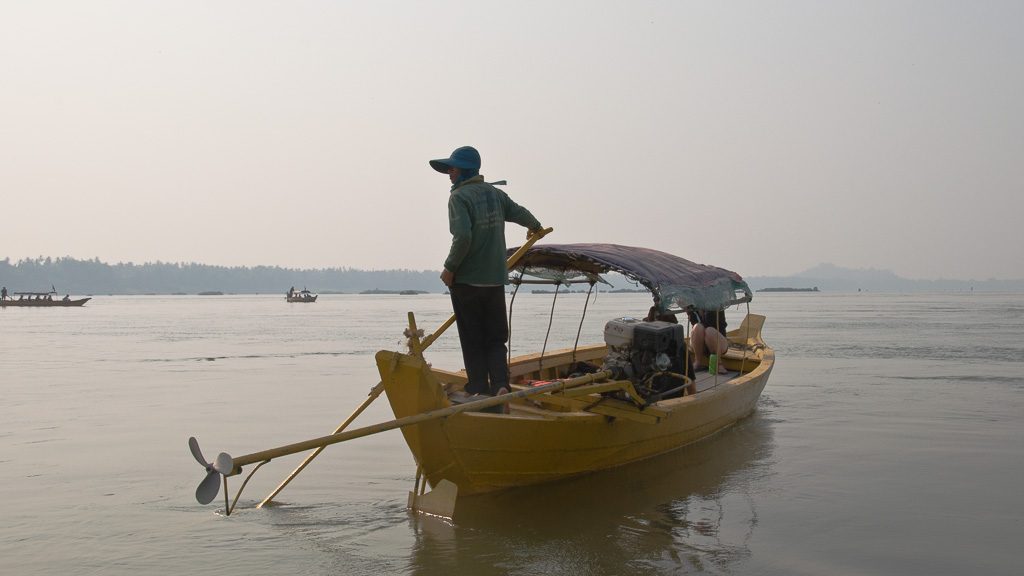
{"x":675,"y":282}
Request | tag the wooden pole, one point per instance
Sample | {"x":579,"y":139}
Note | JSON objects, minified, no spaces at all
{"x":324,"y":441}
{"x":418,"y":348}
{"x":374,"y":393}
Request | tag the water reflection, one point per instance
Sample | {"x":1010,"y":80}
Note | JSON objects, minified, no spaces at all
{"x":691,"y":510}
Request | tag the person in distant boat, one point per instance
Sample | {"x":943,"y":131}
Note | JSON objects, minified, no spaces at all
{"x":3,"y":293}
{"x":707,"y":336}
{"x":67,"y":298}
{"x":475,"y":271}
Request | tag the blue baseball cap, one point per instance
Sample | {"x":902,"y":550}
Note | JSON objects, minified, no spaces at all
{"x":465,"y":158}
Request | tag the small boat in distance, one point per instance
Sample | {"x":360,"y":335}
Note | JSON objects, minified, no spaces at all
{"x":40,"y":300}
{"x":301,"y":296}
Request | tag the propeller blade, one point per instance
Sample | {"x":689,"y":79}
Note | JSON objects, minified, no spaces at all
{"x":210,"y":485}
{"x":224,"y":464}
{"x":208,"y":488}
{"x":193,"y":445}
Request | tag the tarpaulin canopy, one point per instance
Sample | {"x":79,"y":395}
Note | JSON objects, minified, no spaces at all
{"x":676,"y":283}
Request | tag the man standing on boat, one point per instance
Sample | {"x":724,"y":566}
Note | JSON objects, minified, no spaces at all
{"x":475,"y":271}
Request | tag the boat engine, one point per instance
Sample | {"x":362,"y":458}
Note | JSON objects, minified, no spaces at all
{"x":652,"y":355}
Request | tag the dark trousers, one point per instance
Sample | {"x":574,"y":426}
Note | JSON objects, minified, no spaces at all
{"x":483,"y":331}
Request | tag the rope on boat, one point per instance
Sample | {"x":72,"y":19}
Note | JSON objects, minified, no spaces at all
{"x":551,"y":318}
{"x":687,"y":361}
{"x":743,"y":363}
{"x":518,"y":282}
{"x":580,"y":329}
{"x":718,"y":365}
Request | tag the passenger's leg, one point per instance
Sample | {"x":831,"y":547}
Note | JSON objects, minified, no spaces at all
{"x":717,"y":344}
{"x":700,"y":355}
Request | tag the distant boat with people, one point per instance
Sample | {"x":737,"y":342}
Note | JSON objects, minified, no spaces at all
{"x":38,"y":299}
{"x":300,"y":296}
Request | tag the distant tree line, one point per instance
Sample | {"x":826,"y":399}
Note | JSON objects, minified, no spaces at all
{"x":70,"y":275}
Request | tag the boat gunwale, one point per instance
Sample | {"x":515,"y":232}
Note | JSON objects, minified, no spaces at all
{"x":669,"y":405}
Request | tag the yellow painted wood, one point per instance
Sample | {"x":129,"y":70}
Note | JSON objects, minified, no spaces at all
{"x":745,"y":342}
{"x":415,"y":347}
{"x":616,"y":386}
{"x":613,"y":409}
{"x":374,"y":393}
{"x":551,"y":435}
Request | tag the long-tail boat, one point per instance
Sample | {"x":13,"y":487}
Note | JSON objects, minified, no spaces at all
{"x":571,"y":411}
{"x":40,"y":300}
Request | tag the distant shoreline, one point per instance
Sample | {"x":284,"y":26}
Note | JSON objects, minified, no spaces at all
{"x":785,"y":289}
{"x":96,"y":277}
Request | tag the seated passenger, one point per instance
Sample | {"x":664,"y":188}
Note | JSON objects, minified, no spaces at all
{"x":707,"y":336}
{"x":655,"y":315}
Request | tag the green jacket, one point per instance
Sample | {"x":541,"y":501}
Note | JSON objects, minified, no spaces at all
{"x":477,"y":213}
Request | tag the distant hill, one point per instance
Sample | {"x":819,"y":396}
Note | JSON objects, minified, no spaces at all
{"x":832,"y":278}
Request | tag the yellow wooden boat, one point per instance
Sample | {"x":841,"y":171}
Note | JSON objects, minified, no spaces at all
{"x":607,"y":422}
{"x":570,"y":411}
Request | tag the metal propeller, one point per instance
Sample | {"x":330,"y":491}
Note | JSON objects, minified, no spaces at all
{"x":210,"y":485}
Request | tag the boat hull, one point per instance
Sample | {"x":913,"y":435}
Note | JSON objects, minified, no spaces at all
{"x":536,"y":443}
{"x":43,"y":303}
{"x":300,"y":299}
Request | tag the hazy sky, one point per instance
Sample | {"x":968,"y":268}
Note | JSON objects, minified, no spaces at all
{"x":765,"y":137}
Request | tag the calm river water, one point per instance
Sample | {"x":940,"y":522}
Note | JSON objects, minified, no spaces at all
{"x":889,"y":440}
